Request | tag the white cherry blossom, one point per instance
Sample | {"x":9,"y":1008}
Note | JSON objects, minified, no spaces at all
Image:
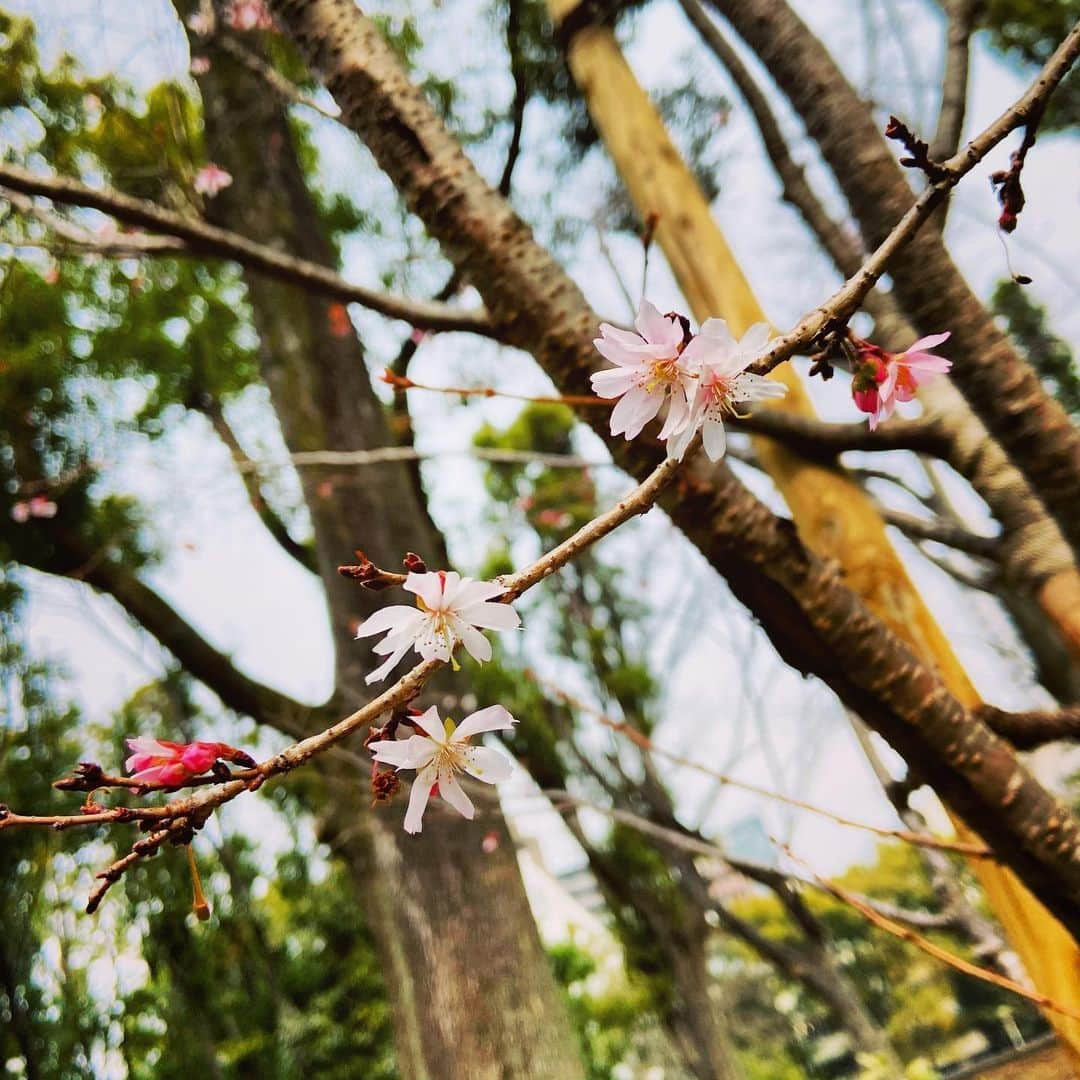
{"x":649,"y":369}
{"x":449,"y":609}
{"x":441,"y":754}
{"x":718,"y":363}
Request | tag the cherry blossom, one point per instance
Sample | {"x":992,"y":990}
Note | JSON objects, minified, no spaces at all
{"x":199,"y":65}
{"x":210,"y":179}
{"x":250,"y":15}
{"x":649,"y":370}
{"x":441,"y":754}
{"x":718,"y":363}
{"x":449,"y":609}
{"x":37,"y":507}
{"x":158,"y":761}
{"x":881,"y":379}
{"x":201,"y":23}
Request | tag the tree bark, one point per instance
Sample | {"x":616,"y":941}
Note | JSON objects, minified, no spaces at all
{"x":1002,"y":389}
{"x":473,"y":993}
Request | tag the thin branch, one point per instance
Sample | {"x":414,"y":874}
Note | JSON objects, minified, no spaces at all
{"x":960,"y":16}
{"x":203,"y":239}
{"x":211,"y":408}
{"x":402,"y":382}
{"x":521,"y":93}
{"x":643,"y":742}
{"x":277,"y":82}
{"x":943,"y":532}
{"x":845,"y":301}
{"x":1030,"y":730}
{"x":890,"y":926}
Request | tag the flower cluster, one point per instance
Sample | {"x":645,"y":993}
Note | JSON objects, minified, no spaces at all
{"x":880,"y":379}
{"x":157,"y":761}
{"x":39,"y":506}
{"x":701,"y":378}
{"x":450,"y":610}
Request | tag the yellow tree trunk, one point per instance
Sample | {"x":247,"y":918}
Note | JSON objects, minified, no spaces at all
{"x":834,"y":516}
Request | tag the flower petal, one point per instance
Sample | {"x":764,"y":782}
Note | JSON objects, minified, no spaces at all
{"x":427,"y":586}
{"x":635,"y":409}
{"x":751,"y":387}
{"x":655,"y":328}
{"x":474,"y":592}
{"x":430,"y":722}
{"x":612,"y":382}
{"x":717,"y":330}
{"x":715,"y":439}
{"x":411,"y":753}
{"x":493,"y":718}
{"x":387,"y":618}
{"x":491,"y":616}
{"x":487,"y":765}
{"x":385,"y":669}
{"x":418,"y":799}
{"x":476,"y":645}
{"x":755,"y":339}
{"x":929,"y":342}
{"x":451,"y":791}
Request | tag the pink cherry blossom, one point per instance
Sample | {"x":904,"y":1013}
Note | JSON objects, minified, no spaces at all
{"x":158,"y":761}
{"x":199,"y":65}
{"x":881,"y":379}
{"x":442,"y":753}
{"x":39,"y":506}
{"x":718,"y":362}
{"x":250,"y":15}
{"x":449,"y":609}
{"x":649,"y":370}
{"x":210,"y":179}
{"x":201,"y":23}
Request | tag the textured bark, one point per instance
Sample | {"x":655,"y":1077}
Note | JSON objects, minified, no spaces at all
{"x":816,"y":623}
{"x":1002,"y":389}
{"x":473,"y":995}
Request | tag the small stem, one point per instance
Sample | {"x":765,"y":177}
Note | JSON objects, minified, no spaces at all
{"x":199,"y":904}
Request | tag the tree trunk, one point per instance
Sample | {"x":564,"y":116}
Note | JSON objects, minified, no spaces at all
{"x":472,"y":990}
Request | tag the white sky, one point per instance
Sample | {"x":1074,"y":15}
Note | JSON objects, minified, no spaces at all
{"x":728,"y":699}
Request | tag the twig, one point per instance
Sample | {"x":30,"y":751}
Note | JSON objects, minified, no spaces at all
{"x":203,"y":239}
{"x":835,"y":312}
{"x":402,"y":382}
{"x":890,"y":926}
{"x":643,"y":742}
{"x":271,"y":76}
{"x":1030,"y":730}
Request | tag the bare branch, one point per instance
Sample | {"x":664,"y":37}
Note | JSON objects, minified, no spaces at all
{"x":203,"y":239}
{"x":1030,"y":730}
